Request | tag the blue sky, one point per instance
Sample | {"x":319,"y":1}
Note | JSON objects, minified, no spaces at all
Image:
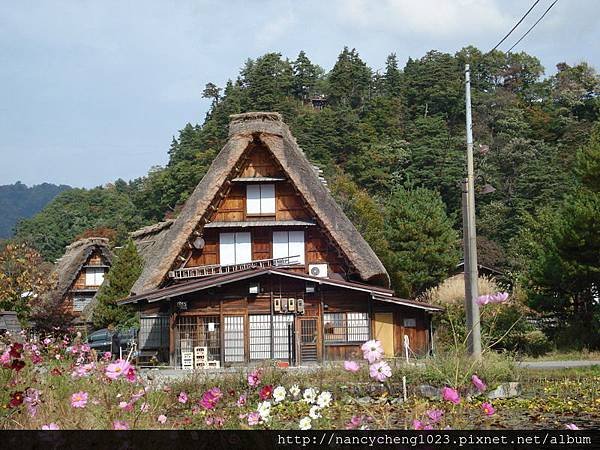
{"x":93,"y":91}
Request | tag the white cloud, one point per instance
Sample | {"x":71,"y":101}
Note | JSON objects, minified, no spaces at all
{"x":431,"y":17}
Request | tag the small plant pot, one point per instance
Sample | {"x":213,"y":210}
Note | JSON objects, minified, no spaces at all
{"x":282,"y":364}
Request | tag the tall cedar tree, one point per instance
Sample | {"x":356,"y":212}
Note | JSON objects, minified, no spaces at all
{"x":423,"y":245}
{"x":125,"y":270}
{"x":562,"y":266}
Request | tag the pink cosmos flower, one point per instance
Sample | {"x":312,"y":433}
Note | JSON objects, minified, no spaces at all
{"x":253,"y":418}
{"x":130,"y":375}
{"x":380,"y":371}
{"x":499,"y":297}
{"x":117,"y":369}
{"x":32,"y":401}
{"x":254,"y":378}
{"x":50,"y":426}
{"x":417,"y":424}
{"x":162,"y":418}
{"x":372,"y":351}
{"x":36,"y":358}
{"x":354,"y":422}
{"x":144,"y":407}
{"x":487,"y":408}
{"x":351,"y":366}
{"x":242,"y":400}
{"x":479,"y":385}
{"x":85,"y":348}
{"x":120,"y":425}
{"x":427,"y":427}
{"x":126,"y":406}
{"x":572,"y":426}
{"x":79,"y":399}
{"x":182,"y":397}
{"x":210,"y":398}
{"x":435,"y":415}
{"x":47,"y":341}
{"x":450,"y":395}
{"x":5,"y":358}
{"x":483,"y":300}
{"x":106,"y":356}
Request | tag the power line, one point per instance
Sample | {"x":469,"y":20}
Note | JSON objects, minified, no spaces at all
{"x":516,"y":25}
{"x":533,"y":26}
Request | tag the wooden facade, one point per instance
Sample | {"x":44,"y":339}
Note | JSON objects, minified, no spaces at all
{"x":334,"y":323}
{"x":329,"y":297}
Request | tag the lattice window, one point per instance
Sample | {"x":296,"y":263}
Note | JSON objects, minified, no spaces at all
{"x":346,"y":327}
{"x":198,"y":331}
{"x":234,"y":338}
{"x":260,"y":336}
{"x":79,"y":303}
{"x":154,"y":332}
{"x":281,"y":336}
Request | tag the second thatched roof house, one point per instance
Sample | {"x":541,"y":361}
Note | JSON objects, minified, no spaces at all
{"x":80,"y":273}
{"x":262,"y":263}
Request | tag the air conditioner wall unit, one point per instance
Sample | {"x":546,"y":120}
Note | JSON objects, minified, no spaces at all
{"x":318,"y":270}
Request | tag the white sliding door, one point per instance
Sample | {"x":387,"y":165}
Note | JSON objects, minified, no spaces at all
{"x":235,"y":248}
{"x":289,"y":243}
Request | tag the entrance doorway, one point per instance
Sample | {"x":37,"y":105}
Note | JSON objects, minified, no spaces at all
{"x":384,"y":332}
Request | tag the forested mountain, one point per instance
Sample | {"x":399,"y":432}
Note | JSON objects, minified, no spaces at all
{"x":391,"y":144}
{"x":17,"y":201}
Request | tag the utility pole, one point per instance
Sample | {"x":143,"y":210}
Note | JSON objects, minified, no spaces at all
{"x":470,"y":235}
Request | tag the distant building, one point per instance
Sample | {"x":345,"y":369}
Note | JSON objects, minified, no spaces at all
{"x":80,"y":273}
{"x":262,"y":263}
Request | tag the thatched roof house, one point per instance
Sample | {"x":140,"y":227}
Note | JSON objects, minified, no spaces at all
{"x":262,"y":263}
{"x":80,"y":273}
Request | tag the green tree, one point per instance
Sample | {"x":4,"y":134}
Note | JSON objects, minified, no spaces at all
{"x":125,"y":270}
{"x":306,"y":76}
{"x":423,"y":245}
{"x":349,"y":80}
{"x":560,"y":253}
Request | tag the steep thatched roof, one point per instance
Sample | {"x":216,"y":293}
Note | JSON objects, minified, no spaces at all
{"x":76,"y":254}
{"x":270,"y":129}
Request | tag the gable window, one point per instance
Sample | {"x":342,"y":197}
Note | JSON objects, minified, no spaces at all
{"x":260,"y":199}
{"x":289,"y":243}
{"x":79,"y":303}
{"x":94,"y":276}
{"x":235,"y":248}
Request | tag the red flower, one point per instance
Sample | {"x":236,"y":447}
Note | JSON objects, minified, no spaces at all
{"x":15,"y":350}
{"x":231,"y":392}
{"x":56,"y":372}
{"x":16,"y":398}
{"x":265,"y":392}
{"x":17,"y":364}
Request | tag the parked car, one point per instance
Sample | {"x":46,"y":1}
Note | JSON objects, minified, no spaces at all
{"x":101,"y":340}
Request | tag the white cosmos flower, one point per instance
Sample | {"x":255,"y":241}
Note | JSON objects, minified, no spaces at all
{"x":279,"y":394}
{"x":305,"y":423}
{"x":314,"y":412}
{"x":310,"y":395}
{"x":264,"y":410}
{"x":295,"y":390}
{"x":324,"y":399}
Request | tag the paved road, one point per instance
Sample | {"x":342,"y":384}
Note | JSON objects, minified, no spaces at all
{"x":558,"y":364}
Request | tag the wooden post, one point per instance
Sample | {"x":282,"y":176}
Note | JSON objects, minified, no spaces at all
{"x":271,"y":323}
{"x":172,"y":330}
{"x":221,"y":333}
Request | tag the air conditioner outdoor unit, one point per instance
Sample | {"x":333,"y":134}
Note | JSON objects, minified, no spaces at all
{"x":318,"y":270}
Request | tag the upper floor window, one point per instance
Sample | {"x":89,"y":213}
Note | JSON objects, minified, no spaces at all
{"x":260,"y":199}
{"x":94,"y":276}
{"x":235,"y":248}
{"x":287,"y":244}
